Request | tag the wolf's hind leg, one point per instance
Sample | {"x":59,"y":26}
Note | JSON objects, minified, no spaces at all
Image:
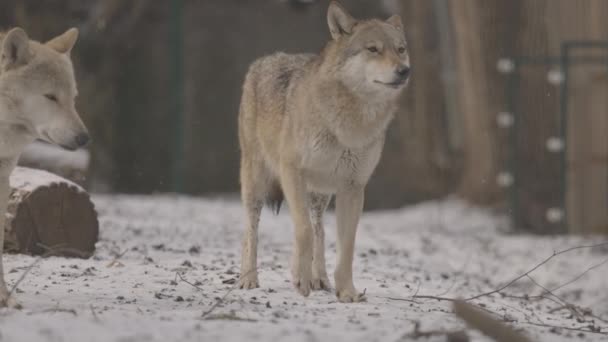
{"x":252,"y":198}
{"x":318,"y":205}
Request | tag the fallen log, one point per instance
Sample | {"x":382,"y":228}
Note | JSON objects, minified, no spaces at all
{"x":49,"y":215}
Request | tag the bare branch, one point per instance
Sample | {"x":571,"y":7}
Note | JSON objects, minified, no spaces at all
{"x":534,"y":269}
{"x":219,"y":301}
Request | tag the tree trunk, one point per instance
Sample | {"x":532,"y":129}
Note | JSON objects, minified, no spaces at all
{"x":473,"y":38}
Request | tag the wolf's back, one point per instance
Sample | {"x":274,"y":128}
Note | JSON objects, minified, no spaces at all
{"x":270,"y":78}
{"x":265,"y":94}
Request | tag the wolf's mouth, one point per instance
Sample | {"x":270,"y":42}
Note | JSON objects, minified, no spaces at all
{"x":45,"y":136}
{"x":68,"y":147}
{"x":394,"y":85}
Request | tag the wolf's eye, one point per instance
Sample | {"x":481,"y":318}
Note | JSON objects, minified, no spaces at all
{"x":401,"y":50}
{"x":51,"y":97}
{"x":372,"y":49}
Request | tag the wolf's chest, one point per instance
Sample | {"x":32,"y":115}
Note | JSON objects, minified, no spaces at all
{"x":328,"y":164}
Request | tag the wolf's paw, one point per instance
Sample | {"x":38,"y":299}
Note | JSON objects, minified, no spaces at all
{"x":302,"y":278}
{"x":350,"y":295}
{"x":301,"y":273}
{"x":249,"y":281}
{"x":9,"y":302}
{"x":303,"y":285}
{"x":321,"y":284}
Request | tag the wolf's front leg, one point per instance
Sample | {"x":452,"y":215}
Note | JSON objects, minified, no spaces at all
{"x":294,"y":189}
{"x":318,"y":205}
{"x":6,"y":300}
{"x":349,"y":204}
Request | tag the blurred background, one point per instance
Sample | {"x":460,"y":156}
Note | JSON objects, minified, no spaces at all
{"x":507,"y":107}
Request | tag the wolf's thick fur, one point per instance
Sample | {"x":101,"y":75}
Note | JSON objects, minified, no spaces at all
{"x":311,"y":126}
{"x":37,"y":93}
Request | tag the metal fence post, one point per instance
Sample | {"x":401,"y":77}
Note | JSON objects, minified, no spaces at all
{"x":176,"y":86}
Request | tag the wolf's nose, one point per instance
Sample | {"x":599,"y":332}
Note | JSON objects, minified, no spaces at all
{"x":82,"y":139}
{"x":403,"y":71}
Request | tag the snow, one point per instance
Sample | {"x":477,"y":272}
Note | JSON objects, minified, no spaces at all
{"x":442,"y":248}
{"x":27,"y":179}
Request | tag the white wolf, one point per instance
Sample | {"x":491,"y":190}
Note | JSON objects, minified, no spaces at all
{"x":37,"y":93}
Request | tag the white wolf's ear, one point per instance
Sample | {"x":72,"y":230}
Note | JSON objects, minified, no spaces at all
{"x":396,"y":21}
{"x":15,"y":49}
{"x":340,"y":22}
{"x":65,"y":42}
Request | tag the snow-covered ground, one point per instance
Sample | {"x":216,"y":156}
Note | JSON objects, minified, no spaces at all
{"x":129,"y":291}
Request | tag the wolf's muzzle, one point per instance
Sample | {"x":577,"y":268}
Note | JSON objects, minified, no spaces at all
{"x":79,"y":141}
{"x":82,"y":139}
{"x":403,"y":72}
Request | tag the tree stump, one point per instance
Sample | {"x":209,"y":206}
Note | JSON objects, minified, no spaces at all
{"x":49,"y":215}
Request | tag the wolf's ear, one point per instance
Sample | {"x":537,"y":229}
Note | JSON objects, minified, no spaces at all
{"x":65,"y":42}
{"x":15,"y":49}
{"x":396,"y":21}
{"x":340,"y":22}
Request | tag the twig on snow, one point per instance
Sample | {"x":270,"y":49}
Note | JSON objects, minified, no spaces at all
{"x":55,"y":310}
{"x":436,"y":298}
{"x":95,"y":317}
{"x":580,"y":275}
{"x":177,"y":274}
{"x":577,"y":311}
{"x":116,"y":258}
{"x":401,"y":299}
{"x":220,"y":300}
{"x":533,"y":269}
{"x":599,"y":330}
{"x":50,"y":251}
{"x":456,"y":335}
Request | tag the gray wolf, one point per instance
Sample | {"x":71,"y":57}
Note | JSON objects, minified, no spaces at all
{"x":311,"y":126}
{"x":37,"y":101}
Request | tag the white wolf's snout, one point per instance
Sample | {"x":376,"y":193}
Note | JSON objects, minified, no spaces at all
{"x":69,"y":132}
{"x":77,"y":141}
{"x":69,"y":139}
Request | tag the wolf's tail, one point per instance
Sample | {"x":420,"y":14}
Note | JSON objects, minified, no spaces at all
{"x":275,"y":197}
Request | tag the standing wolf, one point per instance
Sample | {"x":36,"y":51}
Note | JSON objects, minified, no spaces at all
{"x":37,"y":93}
{"x":311,"y":126}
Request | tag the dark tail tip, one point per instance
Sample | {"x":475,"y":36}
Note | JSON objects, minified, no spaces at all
{"x":275,"y":206}
{"x":275,"y":198}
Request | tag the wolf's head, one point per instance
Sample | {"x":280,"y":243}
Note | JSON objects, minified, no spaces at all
{"x":39,"y":81}
{"x":371,"y":55}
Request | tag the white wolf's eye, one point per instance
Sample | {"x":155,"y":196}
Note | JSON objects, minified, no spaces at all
{"x":372,"y":49}
{"x":51,"y":97}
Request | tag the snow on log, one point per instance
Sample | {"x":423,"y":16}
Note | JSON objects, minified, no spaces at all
{"x":72,"y":165}
{"x":49,"y":214}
